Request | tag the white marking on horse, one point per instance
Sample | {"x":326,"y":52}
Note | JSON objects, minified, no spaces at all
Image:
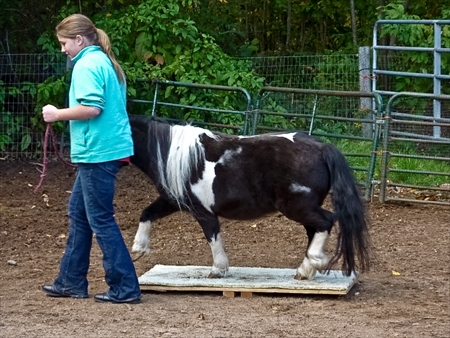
{"x":316,"y":256}
{"x":202,"y":189}
{"x":228,"y":155}
{"x":142,"y":238}
{"x":289,"y":136}
{"x":315,"y":259}
{"x":295,"y":187}
{"x":220,"y":265}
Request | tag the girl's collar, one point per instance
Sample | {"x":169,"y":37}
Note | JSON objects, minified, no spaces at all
{"x":84,"y":51}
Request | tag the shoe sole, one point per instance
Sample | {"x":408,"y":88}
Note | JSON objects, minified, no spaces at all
{"x":136,"y":301}
{"x":62,"y":295}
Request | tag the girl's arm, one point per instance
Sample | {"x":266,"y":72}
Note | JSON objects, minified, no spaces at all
{"x":51,"y":113}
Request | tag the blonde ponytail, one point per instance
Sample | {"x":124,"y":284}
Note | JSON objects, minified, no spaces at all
{"x":105,"y":45}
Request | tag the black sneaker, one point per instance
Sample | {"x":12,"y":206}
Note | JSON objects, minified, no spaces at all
{"x":51,"y":291}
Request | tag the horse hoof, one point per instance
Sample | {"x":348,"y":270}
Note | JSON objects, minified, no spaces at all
{"x":137,"y":256}
{"x":214,"y":275}
{"x":140,"y":249}
{"x":300,"y":277}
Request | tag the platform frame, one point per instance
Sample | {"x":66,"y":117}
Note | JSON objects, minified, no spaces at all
{"x":243,"y":280}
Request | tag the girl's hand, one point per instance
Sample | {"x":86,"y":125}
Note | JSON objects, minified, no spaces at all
{"x":50,"y":113}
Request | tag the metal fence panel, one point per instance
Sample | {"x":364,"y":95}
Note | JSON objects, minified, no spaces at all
{"x":416,"y":164}
{"x":416,"y":135}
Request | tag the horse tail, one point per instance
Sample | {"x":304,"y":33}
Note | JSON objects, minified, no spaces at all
{"x":349,"y":210}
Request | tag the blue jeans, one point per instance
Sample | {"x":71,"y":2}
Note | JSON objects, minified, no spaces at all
{"x":91,"y":211}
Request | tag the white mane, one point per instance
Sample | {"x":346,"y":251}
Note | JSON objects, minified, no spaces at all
{"x":185,"y":152}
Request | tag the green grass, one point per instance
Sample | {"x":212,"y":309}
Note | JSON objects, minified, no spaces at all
{"x":425,"y":166}
{"x":399,"y":163}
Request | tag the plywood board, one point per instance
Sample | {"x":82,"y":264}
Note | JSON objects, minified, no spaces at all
{"x":244,"y":280}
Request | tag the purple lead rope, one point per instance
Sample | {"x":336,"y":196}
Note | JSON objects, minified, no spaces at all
{"x":49,"y":131}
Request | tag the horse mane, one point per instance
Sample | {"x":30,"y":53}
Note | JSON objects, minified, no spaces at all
{"x":179,"y":159}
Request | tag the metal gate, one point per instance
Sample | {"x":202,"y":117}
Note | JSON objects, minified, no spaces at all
{"x":416,"y":125}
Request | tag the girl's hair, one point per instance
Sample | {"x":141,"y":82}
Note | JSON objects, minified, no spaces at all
{"x":78,"y":24}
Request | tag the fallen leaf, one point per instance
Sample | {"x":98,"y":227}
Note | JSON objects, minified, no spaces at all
{"x":395,"y":273}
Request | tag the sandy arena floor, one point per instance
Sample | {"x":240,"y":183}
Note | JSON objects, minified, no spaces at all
{"x":406,"y":293}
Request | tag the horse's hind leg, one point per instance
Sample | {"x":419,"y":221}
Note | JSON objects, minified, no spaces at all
{"x":318,"y":223}
{"x":211,"y":228}
{"x":315,"y":258}
{"x":158,"y":209}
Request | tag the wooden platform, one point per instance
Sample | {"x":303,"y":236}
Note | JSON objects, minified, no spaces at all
{"x":244,"y":280}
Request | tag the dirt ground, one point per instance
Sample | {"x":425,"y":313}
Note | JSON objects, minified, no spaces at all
{"x":405,"y":294}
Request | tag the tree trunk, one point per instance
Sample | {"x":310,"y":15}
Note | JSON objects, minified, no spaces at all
{"x":288,"y":25}
{"x":353,"y":15}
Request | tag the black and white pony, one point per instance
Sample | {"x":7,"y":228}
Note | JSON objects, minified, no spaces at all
{"x":211,"y":174}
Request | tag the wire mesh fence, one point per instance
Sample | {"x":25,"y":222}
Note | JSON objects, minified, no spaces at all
{"x":20,"y":75}
{"x":327,"y":72}
{"x":21,"y":131}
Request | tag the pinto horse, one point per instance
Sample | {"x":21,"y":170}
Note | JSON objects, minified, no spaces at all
{"x":211,"y":174}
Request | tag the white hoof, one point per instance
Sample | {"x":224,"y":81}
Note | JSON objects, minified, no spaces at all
{"x":306,"y":270}
{"x":218,"y":273}
{"x":140,"y":248}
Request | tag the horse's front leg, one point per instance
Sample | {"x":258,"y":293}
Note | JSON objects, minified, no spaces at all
{"x":211,"y":228}
{"x":158,"y":209}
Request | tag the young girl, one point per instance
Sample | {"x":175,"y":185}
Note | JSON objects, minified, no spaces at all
{"x":100,"y":143}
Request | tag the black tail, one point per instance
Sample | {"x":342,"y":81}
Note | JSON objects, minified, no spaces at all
{"x":353,"y":238}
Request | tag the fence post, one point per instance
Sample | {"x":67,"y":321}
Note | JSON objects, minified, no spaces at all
{"x":364,"y":86}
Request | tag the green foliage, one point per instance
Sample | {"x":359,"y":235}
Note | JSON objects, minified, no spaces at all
{"x":52,"y":91}
{"x":14,"y":129}
{"x":14,"y":132}
{"x":158,"y":40}
{"x":155,"y":39}
{"x":416,"y":35}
